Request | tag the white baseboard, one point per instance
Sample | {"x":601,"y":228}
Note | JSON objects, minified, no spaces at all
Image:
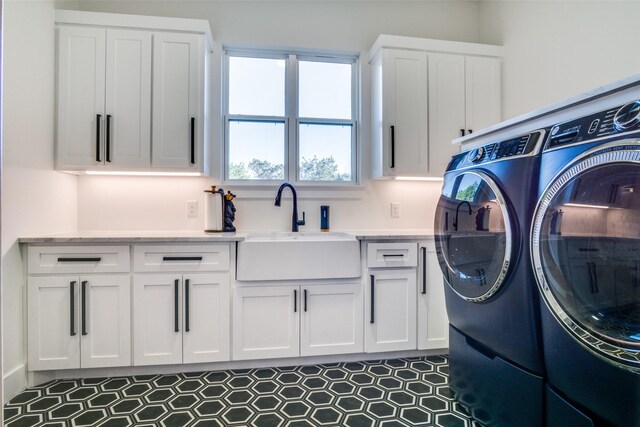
{"x":14,"y":382}
{"x":36,"y":378}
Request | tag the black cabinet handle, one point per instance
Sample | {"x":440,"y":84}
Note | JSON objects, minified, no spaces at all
{"x":393,"y":147}
{"x":462,"y":131}
{"x":98,"y":120}
{"x":186,"y":305}
{"x":108,"y":139}
{"x":469,"y":131}
{"x":72,"y":308}
{"x":181,"y":258}
{"x":373,"y":296}
{"x":176,"y":296}
{"x":63,"y":259}
{"x":392,"y":255}
{"x":295,"y":301}
{"x":424,"y":271}
{"x":193,"y":140}
{"x":593,"y":277}
{"x":84,"y":307}
{"x":305,"y":300}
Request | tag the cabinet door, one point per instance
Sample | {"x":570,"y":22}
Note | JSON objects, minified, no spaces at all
{"x":433,"y":323}
{"x":105,"y":321}
{"x":178,"y":100}
{"x":483,"y":91}
{"x":157,"y":319}
{"x":331,"y":319}
{"x":266,"y":322}
{"x":405,"y":130}
{"x":81,"y":91}
{"x":446,"y":108}
{"x":128,"y":99}
{"x":53,"y":329}
{"x":390,"y":310}
{"x":206,"y":318}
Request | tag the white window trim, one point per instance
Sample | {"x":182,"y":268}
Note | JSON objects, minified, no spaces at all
{"x":291,"y":108}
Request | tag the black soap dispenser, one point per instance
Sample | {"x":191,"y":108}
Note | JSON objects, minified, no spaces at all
{"x":324,"y":218}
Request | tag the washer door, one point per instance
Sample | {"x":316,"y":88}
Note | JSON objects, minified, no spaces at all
{"x":586,"y":251}
{"x":473,"y":235}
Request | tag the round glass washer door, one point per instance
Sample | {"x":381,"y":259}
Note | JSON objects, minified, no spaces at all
{"x":585,"y":243}
{"x":473,"y":235}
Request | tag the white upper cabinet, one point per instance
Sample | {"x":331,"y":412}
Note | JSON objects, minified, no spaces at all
{"x":426,"y":93}
{"x":131,"y":98}
{"x":178,"y":100}
{"x":400,"y":115}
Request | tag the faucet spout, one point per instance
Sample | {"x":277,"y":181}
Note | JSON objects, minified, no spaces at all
{"x":295,"y":222}
{"x":455,"y":220}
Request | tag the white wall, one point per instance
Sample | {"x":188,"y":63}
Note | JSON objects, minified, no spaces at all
{"x":557,"y":49}
{"x":35,"y":199}
{"x":141,"y":203}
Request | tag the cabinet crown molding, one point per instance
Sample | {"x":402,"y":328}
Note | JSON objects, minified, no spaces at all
{"x":433,"y":45}
{"x":159,"y":23}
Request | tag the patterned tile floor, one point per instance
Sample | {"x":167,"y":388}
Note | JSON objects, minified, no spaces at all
{"x":398,"y":392}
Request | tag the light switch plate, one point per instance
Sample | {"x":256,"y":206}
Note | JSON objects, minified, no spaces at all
{"x":395,"y":209}
{"x":192,"y":208}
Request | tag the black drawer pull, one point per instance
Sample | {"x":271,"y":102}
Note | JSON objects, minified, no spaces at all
{"x":393,"y":255}
{"x":373,"y":280}
{"x":424,"y":271}
{"x":192,"y":148}
{"x":98,"y":119}
{"x":186,"y":305}
{"x":72,"y":308}
{"x":588,"y":249}
{"x":63,"y":259}
{"x":305,"y":300}
{"x":182,"y":258}
{"x":295,"y":301}
{"x":108,"y":139}
{"x":84,"y":307}
{"x":176,"y":307}
{"x":393,"y":147}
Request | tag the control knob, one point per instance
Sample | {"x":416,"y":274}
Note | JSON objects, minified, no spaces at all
{"x":627,"y":116}
{"x":477,"y":154}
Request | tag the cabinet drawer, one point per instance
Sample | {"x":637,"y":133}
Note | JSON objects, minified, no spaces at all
{"x":381,"y":255}
{"x":78,"y":259}
{"x":181,"y":258}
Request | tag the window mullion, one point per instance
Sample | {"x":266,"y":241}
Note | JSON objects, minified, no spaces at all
{"x":291,"y":111}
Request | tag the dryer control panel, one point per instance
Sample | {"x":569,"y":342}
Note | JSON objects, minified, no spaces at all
{"x":519,"y":146}
{"x":618,"y":120}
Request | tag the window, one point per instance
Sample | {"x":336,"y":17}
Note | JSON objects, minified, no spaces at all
{"x":290,"y":117}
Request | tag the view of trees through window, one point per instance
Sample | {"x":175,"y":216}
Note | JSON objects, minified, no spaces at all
{"x":314,"y":169}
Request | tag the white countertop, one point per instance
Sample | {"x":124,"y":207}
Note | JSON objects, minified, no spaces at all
{"x":200,"y":236}
{"x":600,"y":98}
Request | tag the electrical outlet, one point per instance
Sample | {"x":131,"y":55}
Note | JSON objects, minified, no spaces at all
{"x":192,"y":209}
{"x":395,"y":209}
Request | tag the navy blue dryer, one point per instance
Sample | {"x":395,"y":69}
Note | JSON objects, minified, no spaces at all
{"x":585,"y":248}
{"x":481,"y":233}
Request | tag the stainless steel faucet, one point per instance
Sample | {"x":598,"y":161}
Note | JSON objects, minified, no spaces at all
{"x":294,"y":217}
{"x":455,"y":220}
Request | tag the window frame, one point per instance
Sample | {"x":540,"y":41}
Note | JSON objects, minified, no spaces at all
{"x":292,"y":121}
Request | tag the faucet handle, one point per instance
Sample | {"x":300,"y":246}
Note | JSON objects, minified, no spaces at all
{"x":301,"y":222}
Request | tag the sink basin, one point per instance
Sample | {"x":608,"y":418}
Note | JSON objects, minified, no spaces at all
{"x":298,"y":256}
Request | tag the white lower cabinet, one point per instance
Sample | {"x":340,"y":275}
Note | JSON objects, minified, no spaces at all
{"x":180,"y":318}
{"x":433,"y":323}
{"x":79,"y":322}
{"x":390,"y":310}
{"x":331,"y":319}
{"x":272,"y":321}
{"x":265,"y":322}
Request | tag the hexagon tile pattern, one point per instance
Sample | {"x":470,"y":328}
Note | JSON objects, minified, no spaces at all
{"x":398,"y":392}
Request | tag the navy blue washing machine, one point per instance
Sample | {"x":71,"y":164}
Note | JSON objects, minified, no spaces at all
{"x":482,"y":225}
{"x":585,"y":249}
